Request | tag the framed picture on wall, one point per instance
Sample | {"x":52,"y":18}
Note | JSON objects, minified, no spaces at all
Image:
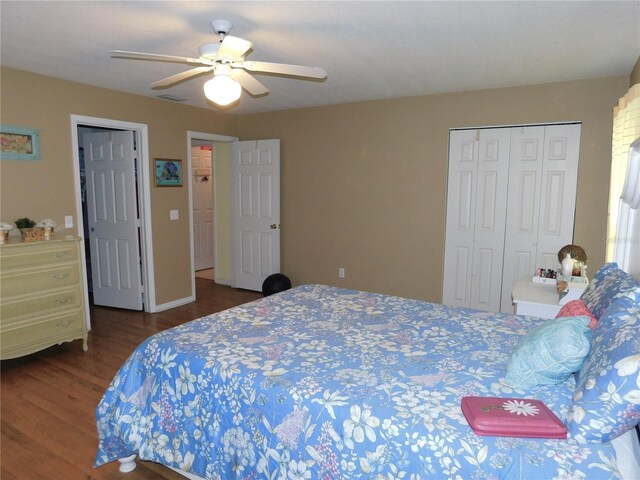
{"x":168,"y":172}
{"x":17,"y":143}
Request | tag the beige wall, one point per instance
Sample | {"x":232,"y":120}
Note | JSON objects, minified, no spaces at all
{"x":45,"y":189}
{"x":364,"y":185}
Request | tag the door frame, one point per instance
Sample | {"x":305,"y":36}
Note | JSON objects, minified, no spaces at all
{"x":141,"y":131}
{"x":212,"y":137}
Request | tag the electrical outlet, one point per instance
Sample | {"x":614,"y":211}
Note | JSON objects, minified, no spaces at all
{"x":341,"y":272}
{"x":174,"y":215}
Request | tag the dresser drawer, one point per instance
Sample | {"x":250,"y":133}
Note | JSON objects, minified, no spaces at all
{"x":66,"y":299}
{"x":42,"y":300}
{"x":37,"y":280}
{"x":41,"y":254}
{"x":50,"y":328}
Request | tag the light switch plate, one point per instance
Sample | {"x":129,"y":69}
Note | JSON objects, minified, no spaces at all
{"x":68,"y":221}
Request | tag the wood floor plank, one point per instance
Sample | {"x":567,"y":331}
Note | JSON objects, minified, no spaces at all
{"x":31,"y":459}
{"x":59,"y":402}
{"x":48,"y":399}
{"x":71,"y":444}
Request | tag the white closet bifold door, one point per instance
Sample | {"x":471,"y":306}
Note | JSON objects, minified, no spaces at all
{"x":510,"y":208}
{"x":523,"y":211}
{"x":476,"y":212}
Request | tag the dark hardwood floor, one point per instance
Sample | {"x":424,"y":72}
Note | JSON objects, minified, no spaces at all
{"x":48,"y":399}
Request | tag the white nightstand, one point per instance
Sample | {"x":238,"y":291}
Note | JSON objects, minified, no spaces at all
{"x":535,"y":299}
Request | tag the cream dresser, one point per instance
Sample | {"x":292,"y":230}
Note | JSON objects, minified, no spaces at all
{"x":42,"y":301}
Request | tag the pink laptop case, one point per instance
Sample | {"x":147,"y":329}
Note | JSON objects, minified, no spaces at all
{"x":512,"y":417}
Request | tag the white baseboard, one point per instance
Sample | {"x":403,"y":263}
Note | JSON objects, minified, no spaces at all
{"x":174,"y":304}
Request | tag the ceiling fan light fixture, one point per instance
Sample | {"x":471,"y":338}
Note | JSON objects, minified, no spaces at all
{"x":223,"y":58}
{"x":222,"y":90}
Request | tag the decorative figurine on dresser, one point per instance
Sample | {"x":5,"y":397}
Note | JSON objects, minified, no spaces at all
{"x":42,"y":297}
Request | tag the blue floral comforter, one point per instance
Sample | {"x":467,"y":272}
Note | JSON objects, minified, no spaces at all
{"x":326,"y":383}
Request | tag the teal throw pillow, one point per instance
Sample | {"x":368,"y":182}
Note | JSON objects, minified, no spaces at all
{"x":549,"y":353}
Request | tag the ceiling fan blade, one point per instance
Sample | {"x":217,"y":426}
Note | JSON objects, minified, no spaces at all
{"x":282,"y":69}
{"x":250,"y":84}
{"x":155,"y":57}
{"x":180,"y":77}
{"x":234,"y":48}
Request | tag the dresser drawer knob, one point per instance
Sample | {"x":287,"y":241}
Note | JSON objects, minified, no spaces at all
{"x":64,"y":324}
{"x":63,"y":300}
{"x":60,"y":254}
{"x":59,"y":276}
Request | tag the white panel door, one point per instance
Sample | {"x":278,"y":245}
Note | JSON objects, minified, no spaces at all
{"x":203,"y":219}
{"x":558,"y":192}
{"x":491,"y":207}
{"x":542,"y":194}
{"x":255,"y":190}
{"x":113,"y":219}
{"x":476,"y":205}
{"x":523,"y":210}
{"x":458,"y":252}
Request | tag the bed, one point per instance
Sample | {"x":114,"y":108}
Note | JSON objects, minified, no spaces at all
{"x":327,"y":383}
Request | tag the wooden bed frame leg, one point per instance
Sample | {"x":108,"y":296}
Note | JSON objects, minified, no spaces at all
{"x":127,"y":464}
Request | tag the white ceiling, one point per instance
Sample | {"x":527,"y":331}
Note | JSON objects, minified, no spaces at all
{"x":371,"y":50}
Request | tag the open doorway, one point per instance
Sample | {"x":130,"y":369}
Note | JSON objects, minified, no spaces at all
{"x":111,"y":163}
{"x":217,"y":187}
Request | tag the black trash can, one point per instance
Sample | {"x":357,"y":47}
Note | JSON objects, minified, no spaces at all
{"x":275,"y":283}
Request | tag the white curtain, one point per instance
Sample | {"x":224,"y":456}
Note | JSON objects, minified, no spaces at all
{"x":623,"y":223}
{"x":627,"y":244}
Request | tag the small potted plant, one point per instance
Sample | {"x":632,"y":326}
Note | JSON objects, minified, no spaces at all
{"x":25,"y":225}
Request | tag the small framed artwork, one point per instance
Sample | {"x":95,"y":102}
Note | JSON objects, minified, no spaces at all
{"x":17,"y":143}
{"x":168,"y":172}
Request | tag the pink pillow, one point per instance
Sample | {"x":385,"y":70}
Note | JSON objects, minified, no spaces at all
{"x":575,"y":308}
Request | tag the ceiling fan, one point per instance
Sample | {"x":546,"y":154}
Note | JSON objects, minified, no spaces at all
{"x":226,"y":60}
